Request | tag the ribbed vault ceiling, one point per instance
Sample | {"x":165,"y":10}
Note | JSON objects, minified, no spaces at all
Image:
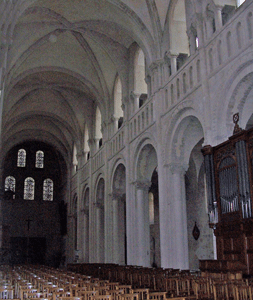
{"x":63,"y":61}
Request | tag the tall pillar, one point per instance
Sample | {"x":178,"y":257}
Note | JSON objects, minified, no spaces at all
{"x":115,"y":204}
{"x":218,"y":17}
{"x":142,"y":222}
{"x":192,"y":40}
{"x":85,"y":244}
{"x":179,"y":217}
{"x":173,"y":59}
{"x":100,"y":233}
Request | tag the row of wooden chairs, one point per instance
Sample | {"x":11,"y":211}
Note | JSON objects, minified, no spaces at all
{"x":175,"y":283}
{"x":32,"y":283}
{"x":40,"y":282}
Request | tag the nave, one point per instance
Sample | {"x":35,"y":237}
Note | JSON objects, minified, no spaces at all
{"x":115,"y":282}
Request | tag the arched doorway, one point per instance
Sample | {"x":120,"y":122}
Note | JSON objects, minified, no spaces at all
{"x":147,"y":204}
{"x":119,"y":215}
{"x":155,"y":257}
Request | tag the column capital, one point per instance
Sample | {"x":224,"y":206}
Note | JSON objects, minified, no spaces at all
{"x":177,"y":168}
{"x":117,"y":196}
{"x":142,"y":184}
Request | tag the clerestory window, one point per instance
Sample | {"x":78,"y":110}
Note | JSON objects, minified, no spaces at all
{"x":29,"y":188}
{"x":48,"y":189}
{"x":39,"y":163}
{"x":21,"y":162}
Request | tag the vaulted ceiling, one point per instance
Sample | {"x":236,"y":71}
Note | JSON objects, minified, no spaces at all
{"x":63,"y":61}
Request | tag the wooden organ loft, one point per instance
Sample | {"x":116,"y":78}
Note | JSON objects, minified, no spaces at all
{"x":229,"y":177}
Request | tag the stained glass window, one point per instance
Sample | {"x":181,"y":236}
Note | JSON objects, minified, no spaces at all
{"x":39,"y":159}
{"x":21,"y":158}
{"x":10,"y":184}
{"x":48,"y":189}
{"x":29,"y":188}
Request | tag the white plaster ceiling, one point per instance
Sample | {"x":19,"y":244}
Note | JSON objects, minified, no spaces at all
{"x":64,"y":59}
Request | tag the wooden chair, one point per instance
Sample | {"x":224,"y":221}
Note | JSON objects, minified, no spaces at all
{"x":126,"y":288}
{"x":220,"y":290}
{"x":202,"y":288}
{"x":102,"y":297}
{"x":143,"y":293}
{"x":115,"y":293}
{"x":157,"y":295}
{"x":242,"y":292}
{"x":132,"y":296}
{"x":6,"y":292}
{"x":87,"y":295}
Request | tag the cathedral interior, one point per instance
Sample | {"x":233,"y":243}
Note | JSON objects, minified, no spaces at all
{"x":114,"y":116}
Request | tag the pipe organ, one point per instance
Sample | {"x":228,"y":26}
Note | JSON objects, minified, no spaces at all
{"x":229,"y":180}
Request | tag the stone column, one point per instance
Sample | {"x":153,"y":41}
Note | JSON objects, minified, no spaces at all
{"x":94,"y":145}
{"x":192,"y":40}
{"x":179,"y":217}
{"x":100,"y":232}
{"x":135,"y":101}
{"x":115,"y":205}
{"x":173,"y":60}
{"x":218,"y":17}
{"x":209,"y":26}
{"x":142,"y":222}
{"x":85,"y":235}
{"x":155,"y":77}
{"x":114,"y":125}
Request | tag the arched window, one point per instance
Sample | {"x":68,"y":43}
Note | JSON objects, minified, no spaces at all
{"x":39,"y":162}
{"x":10,"y":184}
{"x":86,"y":142}
{"x":118,"y":111}
{"x":21,"y":162}
{"x":98,"y":132}
{"x":75,"y":162}
{"x":29,"y":188}
{"x":140,"y":86}
{"x":178,"y":36}
{"x":48,"y":190}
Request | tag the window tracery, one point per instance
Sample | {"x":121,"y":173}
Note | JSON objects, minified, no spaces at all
{"x":39,"y":163}
{"x":21,"y":162}
{"x":10,"y":185}
{"x":29,"y":188}
{"x":48,"y":189}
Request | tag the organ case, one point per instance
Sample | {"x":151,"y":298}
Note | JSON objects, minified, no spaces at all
{"x":229,"y":179}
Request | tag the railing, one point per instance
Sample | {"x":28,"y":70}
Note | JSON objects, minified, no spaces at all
{"x":235,"y":36}
{"x":117,"y":142}
{"x":142,"y":119}
{"x":186,"y":80}
{"x":225,"y":44}
{"x":86,"y":170}
{"x":98,"y":159}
